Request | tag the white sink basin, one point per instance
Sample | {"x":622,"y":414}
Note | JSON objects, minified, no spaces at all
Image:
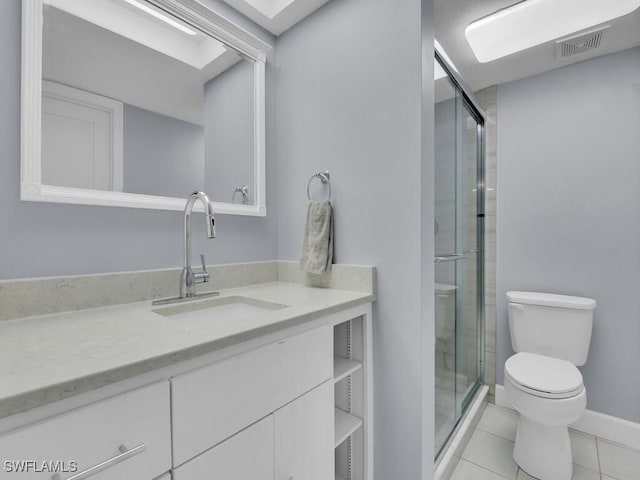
{"x":200,"y":314}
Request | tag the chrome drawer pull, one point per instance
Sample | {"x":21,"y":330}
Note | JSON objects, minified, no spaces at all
{"x":107,"y":463}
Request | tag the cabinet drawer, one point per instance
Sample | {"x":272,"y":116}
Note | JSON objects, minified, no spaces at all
{"x":214,"y":402}
{"x":248,"y":455}
{"x":91,"y":435}
{"x":304,"y":437}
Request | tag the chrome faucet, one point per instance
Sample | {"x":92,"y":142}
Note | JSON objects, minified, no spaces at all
{"x":188,"y":278}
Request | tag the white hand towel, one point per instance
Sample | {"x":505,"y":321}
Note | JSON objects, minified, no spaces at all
{"x":317,"y":248}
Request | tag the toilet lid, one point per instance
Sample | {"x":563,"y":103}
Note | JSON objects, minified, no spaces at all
{"x":543,"y":376}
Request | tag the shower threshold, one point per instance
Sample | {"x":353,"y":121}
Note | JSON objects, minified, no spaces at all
{"x":447,"y":458}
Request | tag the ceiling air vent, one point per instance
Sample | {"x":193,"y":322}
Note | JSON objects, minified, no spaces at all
{"x":583,"y":42}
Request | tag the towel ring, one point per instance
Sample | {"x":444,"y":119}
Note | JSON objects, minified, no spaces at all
{"x":244,"y":192}
{"x":324,"y":178}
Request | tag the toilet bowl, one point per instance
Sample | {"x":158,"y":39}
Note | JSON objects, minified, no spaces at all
{"x":549,"y":395}
{"x":550,"y":335}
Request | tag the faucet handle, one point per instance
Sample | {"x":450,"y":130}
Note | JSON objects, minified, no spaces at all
{"x":203,"y":276}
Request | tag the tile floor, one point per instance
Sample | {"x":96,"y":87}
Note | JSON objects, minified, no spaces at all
{"x":488,"y":456}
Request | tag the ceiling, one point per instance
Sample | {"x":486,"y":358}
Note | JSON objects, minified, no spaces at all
{"x":276,"y":16}
{"x":453,"y":16}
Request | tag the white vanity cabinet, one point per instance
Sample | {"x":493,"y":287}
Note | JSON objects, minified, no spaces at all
{"x":96,"y":434}
{"x":303,"y":437}
{"x":296,"y":409}
{"x":271,"y":410}
{"x":279,"y":398}
{"x":295,"y":442}
{"x":212,"y":403}
{"x":248,"y":455}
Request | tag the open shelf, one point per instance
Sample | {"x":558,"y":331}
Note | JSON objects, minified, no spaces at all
{"x":345,"y":425}
{"x":352,"y":394}
{"x":343,"y":367}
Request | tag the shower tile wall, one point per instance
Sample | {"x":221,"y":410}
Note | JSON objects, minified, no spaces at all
{"x":487,"y":99}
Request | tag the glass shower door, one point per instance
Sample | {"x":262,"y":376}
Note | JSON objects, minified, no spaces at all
{"x":458,"y":261}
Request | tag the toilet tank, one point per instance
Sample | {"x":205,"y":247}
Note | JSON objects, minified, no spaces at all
{"x":558,"y":326}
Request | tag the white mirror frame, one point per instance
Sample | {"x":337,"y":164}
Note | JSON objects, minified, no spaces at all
{"x":193,"y":13}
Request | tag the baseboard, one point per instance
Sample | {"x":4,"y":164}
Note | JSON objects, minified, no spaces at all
{"x":600,"y":425}
{"x":501,"y":397}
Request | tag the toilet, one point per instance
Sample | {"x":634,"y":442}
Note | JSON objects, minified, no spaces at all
{"x":550,"y":335}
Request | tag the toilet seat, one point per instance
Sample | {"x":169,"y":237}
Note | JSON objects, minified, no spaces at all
{"x":543,"y":376}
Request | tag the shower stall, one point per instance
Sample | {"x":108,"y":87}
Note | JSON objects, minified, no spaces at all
{"x":459,"y":249}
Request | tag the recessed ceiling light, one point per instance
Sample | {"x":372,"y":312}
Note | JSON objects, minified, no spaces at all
{"x":160,"y":16}
{"x":532,"y":22}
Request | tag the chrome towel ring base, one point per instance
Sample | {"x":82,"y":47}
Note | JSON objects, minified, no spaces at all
{"x":324,"y":177}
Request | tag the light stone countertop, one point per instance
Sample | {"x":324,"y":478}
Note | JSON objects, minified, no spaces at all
{"x":51,"y":357}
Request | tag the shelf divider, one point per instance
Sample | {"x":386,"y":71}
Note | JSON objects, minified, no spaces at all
{"x":345,"y":425}
{"x":343,"y":367}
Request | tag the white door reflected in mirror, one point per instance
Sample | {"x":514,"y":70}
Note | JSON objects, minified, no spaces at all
{"x":81,"y":139}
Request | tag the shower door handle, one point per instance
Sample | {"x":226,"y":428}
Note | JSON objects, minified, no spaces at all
{"x":452,"y":257}
{"x":449,"y":257}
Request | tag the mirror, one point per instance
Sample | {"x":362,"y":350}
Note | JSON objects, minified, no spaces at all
{"x":127,"y":104}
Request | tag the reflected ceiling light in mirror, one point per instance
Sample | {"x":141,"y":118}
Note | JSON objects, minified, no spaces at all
{"x":533,"y":22}
{"x":120,"y":17}
{"x":160,"y":16}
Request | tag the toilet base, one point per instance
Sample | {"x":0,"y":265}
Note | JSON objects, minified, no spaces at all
{"x":543,"y":451}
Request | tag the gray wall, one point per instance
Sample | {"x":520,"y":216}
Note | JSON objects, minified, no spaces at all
{"x":171,"y":157}
{"x":229,"y":131}
{"x":568,"y":210}
{"x":349,"y":100}
{"x":161,"y":155}
{"x":38,"y":239}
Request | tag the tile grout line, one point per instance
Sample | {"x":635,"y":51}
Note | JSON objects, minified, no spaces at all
{"x":499,"y":420}
{"x":483,"y":467}
{"x":582,"y":434}
{"x":618,"y":444}
{"x":478,"y":427}
{"x":487,"y":469}
{"x":598,"y":457}
{"x":503,"y":411}
{"x":494,"y":434}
